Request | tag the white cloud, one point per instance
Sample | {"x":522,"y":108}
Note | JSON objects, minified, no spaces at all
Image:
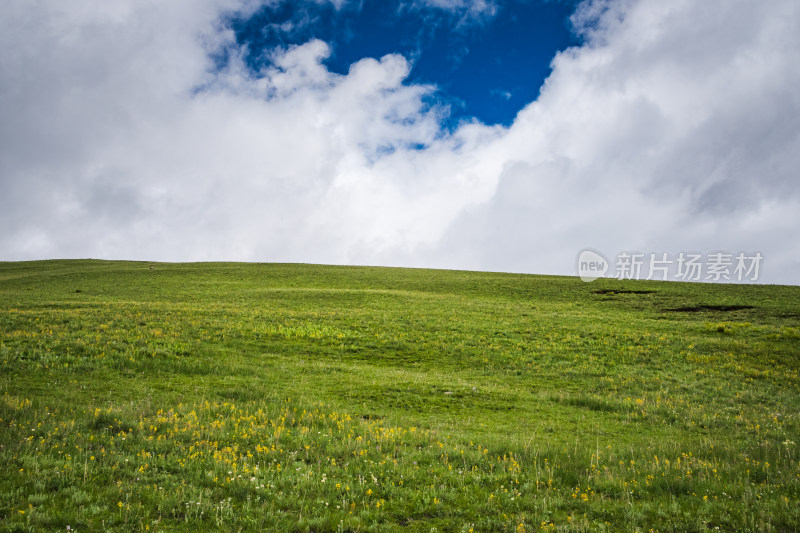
{"x":673,"y":129}
{"x":468,"y":11}
{"x":473,"y":6}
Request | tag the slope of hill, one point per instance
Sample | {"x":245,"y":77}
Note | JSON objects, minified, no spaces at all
{"x":154,"y":396}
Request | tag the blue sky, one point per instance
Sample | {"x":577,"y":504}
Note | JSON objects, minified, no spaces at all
{"x":487,"y":65}
{"x":501,"y":135}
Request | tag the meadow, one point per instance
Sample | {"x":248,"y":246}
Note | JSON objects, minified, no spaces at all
{"x":187,"y":397}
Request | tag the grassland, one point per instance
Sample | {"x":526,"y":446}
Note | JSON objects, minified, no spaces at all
{"x":140,"y":396}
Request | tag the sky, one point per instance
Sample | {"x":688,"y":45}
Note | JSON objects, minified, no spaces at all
{"x":499,"y":135}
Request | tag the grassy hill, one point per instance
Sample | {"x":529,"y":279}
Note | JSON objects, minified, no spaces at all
{"x":141,"y":396}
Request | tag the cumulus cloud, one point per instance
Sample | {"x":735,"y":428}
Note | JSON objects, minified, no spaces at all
{"x":124,"y":142}
{"x":673,"y":128}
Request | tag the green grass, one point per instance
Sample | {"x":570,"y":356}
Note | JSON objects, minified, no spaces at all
{"x":318,"y":398}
